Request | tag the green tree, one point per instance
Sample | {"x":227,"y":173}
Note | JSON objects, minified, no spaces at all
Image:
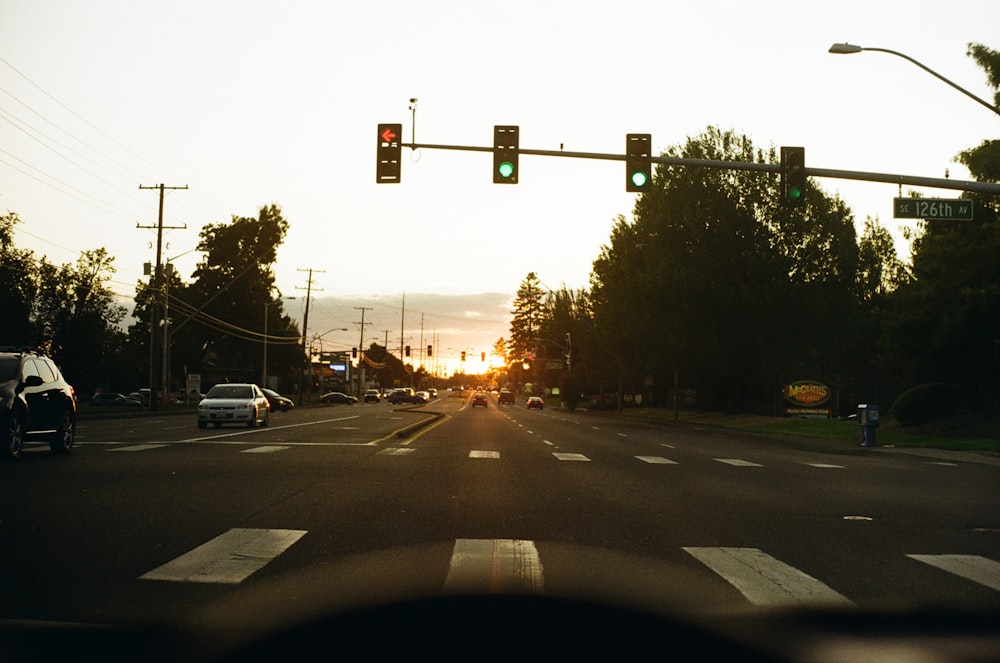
{"x":527,"y":321}
{"x":218,"y":320}
{"x":983,"y":161}
{"x":18,"y":287}
{"x":717,"y":282}
{"x":943,"y":323}
{"x":78,"y":316}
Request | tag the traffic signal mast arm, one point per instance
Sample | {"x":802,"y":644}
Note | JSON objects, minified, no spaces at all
{"x":909,"y":180}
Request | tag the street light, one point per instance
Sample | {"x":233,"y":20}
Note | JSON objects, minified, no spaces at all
{"x":847,"y":49}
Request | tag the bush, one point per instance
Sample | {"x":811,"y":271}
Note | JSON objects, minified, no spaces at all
{"x":927,"y":402}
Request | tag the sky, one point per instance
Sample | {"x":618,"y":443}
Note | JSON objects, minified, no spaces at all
{"x":249,"y":103}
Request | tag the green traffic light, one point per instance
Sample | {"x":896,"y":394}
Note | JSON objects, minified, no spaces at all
{"x":794,"y":192}
{"x":639,"y":178}
{"x":506,"y":169}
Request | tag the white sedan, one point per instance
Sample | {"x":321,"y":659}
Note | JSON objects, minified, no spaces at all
{"x":234,"y":403}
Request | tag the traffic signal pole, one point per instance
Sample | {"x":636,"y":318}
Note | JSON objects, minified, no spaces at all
{"x":890,"y":178}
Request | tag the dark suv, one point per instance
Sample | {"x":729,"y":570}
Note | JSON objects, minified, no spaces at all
{"x":35,"y":400}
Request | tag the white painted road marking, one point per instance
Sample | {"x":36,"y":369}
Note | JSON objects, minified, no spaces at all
{"x":266,"y":449}
{"x":494,"y":565}
{"x":764,"y":580}
{"x":139,"y":447}
{"x":229,"y":558}
{"x":484,"y":454}
{"x":656,"y":460}
{"x":568,"y":456}
{"x":981,"y":570}
{"x":738,"y":462}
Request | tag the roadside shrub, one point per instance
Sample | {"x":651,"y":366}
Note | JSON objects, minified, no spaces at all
{"x":927,"y":402}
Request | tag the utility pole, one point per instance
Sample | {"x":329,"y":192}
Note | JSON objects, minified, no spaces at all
{"x":402,"y":324}
{"x":158,"y":311}
{"x":421,"y":340}
{"x":361,"y":345}
{"x":306,"y":354}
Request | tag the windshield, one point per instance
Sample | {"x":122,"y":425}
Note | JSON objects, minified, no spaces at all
{"x":686,"y":308}
{"x":230,"y":391}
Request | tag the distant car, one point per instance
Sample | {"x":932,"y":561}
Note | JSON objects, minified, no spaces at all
{"x":506,"y":397}
{"x":373,"y":396}
{"x":424,"y":396}
{"x":335,"y":397}
{"x":277,"y":401}
{"x":536,"y":402}
{"x":405,"y":395}
{"x":480,"y":398}
{"x":433,"y":392}
{"x":110,"y":398}
{"x":35,"y":400}
{"x":234,"y":403}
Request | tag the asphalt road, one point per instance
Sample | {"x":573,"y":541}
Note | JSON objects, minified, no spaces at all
{"x":152,"y":520}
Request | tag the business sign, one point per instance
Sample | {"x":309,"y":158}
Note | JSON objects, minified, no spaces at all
{"x":807,"y":398}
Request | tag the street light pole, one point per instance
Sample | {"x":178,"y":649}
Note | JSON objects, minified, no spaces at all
{"x":846,"y":49}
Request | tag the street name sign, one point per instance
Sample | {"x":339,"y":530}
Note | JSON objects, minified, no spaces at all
{"x":932,"y":208}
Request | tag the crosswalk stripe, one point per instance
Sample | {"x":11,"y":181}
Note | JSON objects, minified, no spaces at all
{"x":229,"y":558}
{"x":738,"y":462}
{"x":764,"y":580}
{"x":656,"y":460}
{"x":569,"y":456}
{"x":138,"y":447}
{"x":396,"y":451}
{"x":266,"y":449}
{"x":978,"y":569}
{"x":493,"y":566}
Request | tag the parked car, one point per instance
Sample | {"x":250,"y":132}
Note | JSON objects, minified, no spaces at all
{"x":35,"y":401}
{"x":424,"y":396}
{"x":277,"y":401}
{"x":480,"y":398}
{"x":536,"y":403}
{"x":234,"y":403}
{"x":334,"y":397}
{"x":373,"y":396}
{"x":111,"y":398}
{"x":506,"y":397}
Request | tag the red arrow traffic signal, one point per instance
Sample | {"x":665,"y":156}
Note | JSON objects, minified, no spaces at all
{"x":388,"y":154}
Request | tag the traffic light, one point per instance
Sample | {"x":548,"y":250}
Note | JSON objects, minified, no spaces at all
{"x":482,"y":356}
{"x":505,"y":150}
{"x":793,"y":174}
{"x":406,"y":351}
{"x":463,"y":355}
{"x":638,"y":162}
{"x":430,"y":349}
{"x":388,"y":154}
{"x":354,"y":352}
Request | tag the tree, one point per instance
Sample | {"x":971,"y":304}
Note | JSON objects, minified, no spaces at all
{"x":527,"y":320}
{"x":219,"y":322}
{"x":706,"y":279}
{"x":77,"y":315}
{"x":232,"y":291}
{"x":943,"y":323}
{"x":984,"y":161}
{"x":18,"y":287}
